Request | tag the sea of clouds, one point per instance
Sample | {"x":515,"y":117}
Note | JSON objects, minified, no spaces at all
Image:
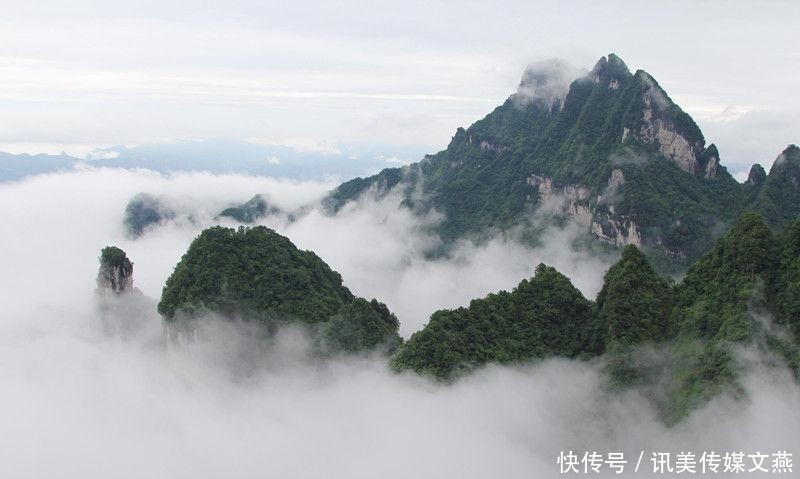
{"x":89,"y":394}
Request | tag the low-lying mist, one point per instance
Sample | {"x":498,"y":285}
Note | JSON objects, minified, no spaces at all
{"x":91,"y":393}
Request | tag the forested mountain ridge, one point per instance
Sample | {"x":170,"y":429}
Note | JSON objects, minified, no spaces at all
{"x":745,"y":291}
{"x":543,"y":316}
{"x":614,"y":149}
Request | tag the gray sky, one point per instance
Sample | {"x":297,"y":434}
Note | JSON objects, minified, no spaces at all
{"x":93,"y":73}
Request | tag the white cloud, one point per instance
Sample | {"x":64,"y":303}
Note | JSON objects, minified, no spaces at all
{"x":546,"y":82}
{"x":101,"y":154}
{"x":300,"y":145}
{"x":389,"y":263}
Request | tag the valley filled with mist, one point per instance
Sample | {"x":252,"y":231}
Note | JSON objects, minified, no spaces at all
{"x":91,"y":393}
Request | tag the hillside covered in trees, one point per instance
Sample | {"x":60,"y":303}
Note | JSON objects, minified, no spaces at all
{"x":730,"y":297}
{"x":255,"y":274}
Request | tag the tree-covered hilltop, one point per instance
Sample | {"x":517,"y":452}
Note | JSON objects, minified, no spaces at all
{"x":248,"y":212}
{"x":626,"y":160}
{"x":728,"y":297}
{"x":144,"y":211}
{"x":257,"y":274}
{"x":714,"y":299}
{"x":633,"y":305}
{"x":543,"y":316}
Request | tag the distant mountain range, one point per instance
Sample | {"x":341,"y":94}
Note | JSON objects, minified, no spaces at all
{"x":244,"y":157}
{"x":15,"y":167}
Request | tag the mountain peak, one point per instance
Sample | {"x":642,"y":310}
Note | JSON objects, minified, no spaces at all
{"x":628,"y":321}
{"x":779,"y":198}
{"x":757,"y":175}
{"x":609,"y":68}
{"x":750,"y":243}
{"x":616,"y":62}
{"x":791,"y":153}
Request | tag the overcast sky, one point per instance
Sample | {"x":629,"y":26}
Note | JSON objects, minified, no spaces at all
{"x":400,"y":73}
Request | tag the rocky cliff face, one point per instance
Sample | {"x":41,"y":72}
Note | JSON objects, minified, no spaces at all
{"x":570,"y":200}
{"x":712,"y":165}
{"x":618,"y":232}
{"x":663,"y":133}
{"x":116,"y":272}
{"x":123,"y":309}
{"x":577,"y":202}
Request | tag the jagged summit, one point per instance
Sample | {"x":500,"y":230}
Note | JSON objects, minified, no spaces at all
{"x":546,"y":83}
{"x":624,"y":158}
{"x":609,"y":69}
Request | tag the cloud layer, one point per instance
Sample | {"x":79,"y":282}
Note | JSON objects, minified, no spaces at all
{"x":82,"y":399}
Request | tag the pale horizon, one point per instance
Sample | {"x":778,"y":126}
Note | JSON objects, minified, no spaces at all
{"x":99,"y":74}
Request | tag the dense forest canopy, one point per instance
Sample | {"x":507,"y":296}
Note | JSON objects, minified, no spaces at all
{"x":257,"y":274}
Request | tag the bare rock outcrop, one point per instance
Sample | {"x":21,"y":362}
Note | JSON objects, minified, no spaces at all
{"x":663,"y":133}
